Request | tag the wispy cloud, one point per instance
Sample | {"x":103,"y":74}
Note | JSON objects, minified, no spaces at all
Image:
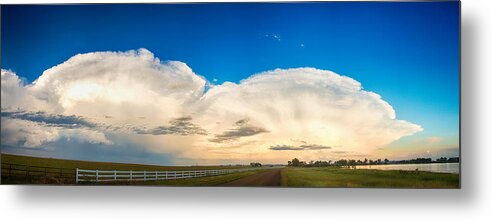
{"x":56,"y":120}
{"x":273,"y":36}
{"x":179,"y":126}
{"x":301,"y":147}
{"x":242,"y":129}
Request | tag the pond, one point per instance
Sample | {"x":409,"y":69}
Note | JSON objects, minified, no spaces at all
{"x":431,"y":167}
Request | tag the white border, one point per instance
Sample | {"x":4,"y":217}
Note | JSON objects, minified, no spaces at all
{"x":473,"y":201}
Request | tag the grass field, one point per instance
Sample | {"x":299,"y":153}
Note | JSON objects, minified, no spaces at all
{"x":203,"y":181}
{"x":290,"y":177}
{"x":338,"y":177}
{"x":69,"y":167}
{"x":90,"y":165}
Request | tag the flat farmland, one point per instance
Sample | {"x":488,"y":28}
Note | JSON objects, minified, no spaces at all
{"x":91,"y":165}
{"x":366,"y":178}
{"x":331,"y":177}
{"x":59,"y":171}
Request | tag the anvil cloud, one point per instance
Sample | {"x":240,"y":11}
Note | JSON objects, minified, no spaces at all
{"x":164,"y":107}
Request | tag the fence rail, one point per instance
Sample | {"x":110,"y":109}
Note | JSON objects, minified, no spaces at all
{"x":118,"y":175}
{"x":28,"y":173}
{"x":10,"y":170}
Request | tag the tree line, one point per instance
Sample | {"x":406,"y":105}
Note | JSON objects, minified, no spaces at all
{"x":344,"y":162}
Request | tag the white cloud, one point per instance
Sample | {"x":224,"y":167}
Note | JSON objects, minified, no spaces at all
{"x":25,"y":133}
{"x":124,"y":85}
{"x":134,"y":94}
{"x":118,"y":89}
{"x":317,"y":106}
{"x":273,"y":36}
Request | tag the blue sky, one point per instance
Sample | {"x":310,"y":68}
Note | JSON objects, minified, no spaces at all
{"x":406,"y":52}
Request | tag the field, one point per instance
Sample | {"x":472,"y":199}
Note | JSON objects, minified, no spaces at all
{"x":203,"y":181}
{"x":72,"y":164}
{"x":281,"y":177}
{"x":66,"y":170}
{"x":338,"y":177}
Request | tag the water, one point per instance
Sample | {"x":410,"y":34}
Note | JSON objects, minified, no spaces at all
{"x":432,"y":167}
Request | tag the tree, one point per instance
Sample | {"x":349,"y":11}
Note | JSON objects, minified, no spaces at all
{"x":255,"y":164}
{"x":341,"y":163}
{"x":351,"y":162}
{"x":295,"y":162}
{"x":289,"y":163}
{"x":386,"y":161}
{"x":311,"y":163}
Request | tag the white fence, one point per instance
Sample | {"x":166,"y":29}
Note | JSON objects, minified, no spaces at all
{"x":117,"y":175}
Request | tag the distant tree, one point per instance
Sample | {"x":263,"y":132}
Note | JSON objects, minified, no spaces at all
{"x":442,"y":160}
{"x":341,"y":163}
{"x":289,"y":163}
{"x":454,"y":159}
{"x":302,"y":164}
{"x":295,"y":162}
{"x":351,"y":162}
{"x":255,"y":164}
{"x":386,"y":161}
{"x":311,"y":163}
{"x":365,"y":160}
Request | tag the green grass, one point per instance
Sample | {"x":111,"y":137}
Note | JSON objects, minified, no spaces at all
{"x":90,"y":165}
{"x":338,"y":177}
{"x":202,"y":181}
{"x":290,"y":177}
{"x":18,"y":177}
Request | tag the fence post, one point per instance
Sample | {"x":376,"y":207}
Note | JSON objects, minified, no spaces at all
{"x":27,"y":174}
{"x":145,"y":175}
{"x":131,"y":176}
{"x":114,"y":174}
{"x":77,"y":176}
{"x":10,"y":170}
{"x":97,"y":176}
{"x":156,"y":175}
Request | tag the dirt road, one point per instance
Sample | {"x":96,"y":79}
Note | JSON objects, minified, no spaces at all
{"x":267,"y":178}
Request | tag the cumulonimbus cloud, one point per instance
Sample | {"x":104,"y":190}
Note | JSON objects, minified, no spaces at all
{"x":164,"y":107}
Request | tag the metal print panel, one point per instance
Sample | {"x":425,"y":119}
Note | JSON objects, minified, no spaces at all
{"x":333,"y":94}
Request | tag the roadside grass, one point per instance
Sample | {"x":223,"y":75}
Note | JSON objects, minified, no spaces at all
{"x":362,"y":178}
